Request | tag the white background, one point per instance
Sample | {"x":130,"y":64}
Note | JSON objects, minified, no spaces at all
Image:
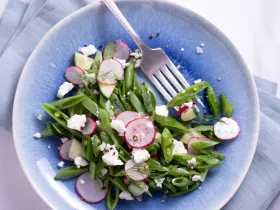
{"x":252,"y":25}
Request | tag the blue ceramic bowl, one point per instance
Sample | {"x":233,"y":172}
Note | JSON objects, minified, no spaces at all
{"x":179,"y":28}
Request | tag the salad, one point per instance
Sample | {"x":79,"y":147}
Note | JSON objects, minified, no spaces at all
{"x":120,"y":143}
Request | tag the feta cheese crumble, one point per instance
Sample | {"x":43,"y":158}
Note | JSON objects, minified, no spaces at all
{"x":192,"y":163}
{"x":162,"y":110}
{"x":79,"y":161}
{"x":102,"y":146}
{"x":97,"y":122}
{"x":178,"y":147}
{"x":40,"y":117}
{"x":119,"y":126}
{"x":140,"y":155}
{"x":196,"y":178}
{"x":111,"y":156}
{"x":61,"y":164}
{"x":123,"y":62}
{"x":126,"y":195}
{"x":137,"y":63}
{"x":182,"y":49}
{"x":197,"y":81}
{"x":77,"y":122}
{"x":65,"y":88}
{"x":103,"y":172}
{"x":199,"y":50}
{"x":88,"y":50}
{"x":159,"y":182}
{"x":37,"y":135}
{"x":136,"y":55}
{"x":202,"y":44}
{"x":82,"y":181}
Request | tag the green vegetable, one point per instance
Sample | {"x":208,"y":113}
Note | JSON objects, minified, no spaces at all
{"x":56,"y":114}
{"x":167,"y":145}
{"x":155,"y":165}
{"x":214,"y":154}
{"x":70,"y":172}
{"x":204,"y":128}
{"x":117,"y":103}
{"x":105,"y":138}
{"x":91,"y":106}
{"x":204,"y":161}
{"x":95,"y":145}
{"x":68,"y":102}
{"x":204,"y":144}
{"x":89,"y":149}
{"x":153,"y":98}
{"x":187,"y":190}
{"x":147,"y":99}
{"x":137,"y":104}
{"x":227,"y":107}
{"x":118,"y":183}
{"x":170,"y":123}
{"x":92,"y":170}
{"x":89,"y":93}
{"x":212,"y":100}
{"x":102,"y":102}
{"x":82,"y":61}
{"x":181,"y":182}
{"x":169,"y":185}
{"x":182,"y":172}
{"x":46,"y":132}
{"x":109,"y":50}
{"x":104,"y":117}
{"x":128,"y":75}
{"x":187,"y":94}
{"x":120,"y":173}
{"x":57,"y":129}
{"x":112,"y":202}
{"x":136,"y":87}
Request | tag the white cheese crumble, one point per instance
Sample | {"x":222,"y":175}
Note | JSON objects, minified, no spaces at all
{"x":119,"y":126}
{"x":103,"y":172}
{"x":102,"y":146}
{"x":158,"y":137}
{"x":64,"y":139}
{"x":140,"y":155}
{"x":82,"y":181}
{"x":197,"y":81}
{"x":77,"y":122}
{"x":192,"y":163}
{"x":88,"y":50}
{"x":37,"y":135}
{"x":182,"y":49}
{"x":202,"y":44}
{"x":196,"y":178}
{"x":123,"y":62}
{"x":136,"y":55}
{"x":61,"y":164}
{"x":178,"y":147}
{"x":40,"y":117}
{"x":137,"y":63}
{"x":65,"y":88}
{"x":199,"y":50}
{"x":159,"y":182}
{"x":111,"y":156}
{"x":162,"y":110}
{"x":126,"y":195}
{"x":79,"y":161}
{"x":97,"y":122}
{"x":49,"y":146}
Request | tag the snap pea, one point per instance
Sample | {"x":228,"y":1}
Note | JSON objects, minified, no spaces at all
{"x":147,"y":100}
{"x":117,"y":103}
{"x":68,"y":102}
{"x":214,"y":154}
{"x":104,"y":117}
{"x":227,"y":107}
{"x":170,"y":123}
{"x":118,"y":183}
{"x":128,"y":75}
{"x":204,"y":144}
{"x":100,"y":164}
{"x":95,"y":145}
{"x":96,"y":62}
{"x":182,"y":172}
{"x":153,"y":98}
{"x":98,"y":56}
{"x":111,"y":170}
{"x":126,"y":105}
{"x":137,"y":104}
{"x":181,"y":182}
{"x":109,"y":50}
{"x":153,"y":149}
{"x":167,"y":145}
{"x":89,"y":93}
{"x":189,"y":189}
{"x":70,"y":172}
{"x":120,"y":173}
{"x":89,"y":149}
{"x":46,"y":132}
{"x":200,"y":128}
{"x":204,"y":161}
{"x":57,"y":129}
{"x":56,"y":114}
{"x":169,"y":185}
{"x":155,"y":165}
{"x":92,"y":170}
{"x":105,"y":138}
{"x":112,"y":202}
{"x":136,"y":87}
{"x":212,"y":100}
{"x":91,"y":106}
{"x":102,"y":102}
{"x":188,"y":94}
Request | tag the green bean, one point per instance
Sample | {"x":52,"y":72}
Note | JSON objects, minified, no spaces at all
{"x":46,"y":132}
{"x":91,"y":106}
{"x":155,"y":165}
{"x":112,"y":203}
{"x":200,"y":128}
{"x":68,"y":102}
{"x":92,"y":170}
{"x":191,"y":188}
{"x":128,"y":75}
{"x":170,"y":123}
{"x":109,"y":50}
{"x":126,"y":105}
{"x":227,"y":107}
{"x":137,"y":104}
{"x":89,"y":150}
{"x":153,"y":98}
{"x":214,"y":154}
{"x":70,"y":172}
{"x":136,"y":87}
{"x":212,"y":100}
{"x":204,"y":161}
{"x":117,"y":103}
{"x":204,"y":144}
{"x":181,"y":182}
{"x":167,"y":145}
{"x":95,"y":145}
{"x":118,"y":183}
{"x":182,"y":172}
{"x":187,"y":94}
{"x":147,"y":99}
{"x":153,"y":149}
{"x":170,"y":186}
{"x":56,"y":114}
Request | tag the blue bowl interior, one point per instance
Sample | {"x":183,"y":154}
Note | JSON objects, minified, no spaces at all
{"x":178,"y":28}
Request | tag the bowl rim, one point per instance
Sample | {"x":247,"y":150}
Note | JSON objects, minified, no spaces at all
{"x":173,"y":4}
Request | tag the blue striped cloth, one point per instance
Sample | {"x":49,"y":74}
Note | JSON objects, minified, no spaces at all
{"x":24,"y":24}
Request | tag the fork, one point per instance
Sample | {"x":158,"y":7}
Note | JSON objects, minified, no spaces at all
{"x":155,"y":63}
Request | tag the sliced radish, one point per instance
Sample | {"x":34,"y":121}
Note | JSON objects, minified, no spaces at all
{"x":65,"y":150}
{"x":125,"y":180}
{"x":122,"y":51}
{"x":89,"y":190}
{"x":127,"y":116}
{"x":192,"y":140}
{"x":74,"y":75}
{"x":136,"y":171}
{"x":90,"y":127}
{"x":140,"y":133}
{"x":109,"y":70}
{"x":182,"y":109}
{"x":226,"y":129}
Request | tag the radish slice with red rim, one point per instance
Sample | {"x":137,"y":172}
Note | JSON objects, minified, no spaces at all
{"x":90,"y":127}
{"x":65,"y":149}
{"x":192,"y":140}
{"x":110,"y":70}
{"x":125,"y":180}
{"x":89,"y":190}
{"x":74,"y":75}
{"x":140,"y":133}
{"x":136,"y":171}
{"x":122,"y":51}
{"x":127,"y":116}
{"x":226,"y":129}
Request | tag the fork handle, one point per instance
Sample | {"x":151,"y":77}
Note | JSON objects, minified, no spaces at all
{"x":115,"y":10}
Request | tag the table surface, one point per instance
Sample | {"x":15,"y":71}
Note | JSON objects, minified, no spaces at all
{"x":252,"y":27}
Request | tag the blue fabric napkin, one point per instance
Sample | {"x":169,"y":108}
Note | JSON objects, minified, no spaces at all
{"x":261,"y":184}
